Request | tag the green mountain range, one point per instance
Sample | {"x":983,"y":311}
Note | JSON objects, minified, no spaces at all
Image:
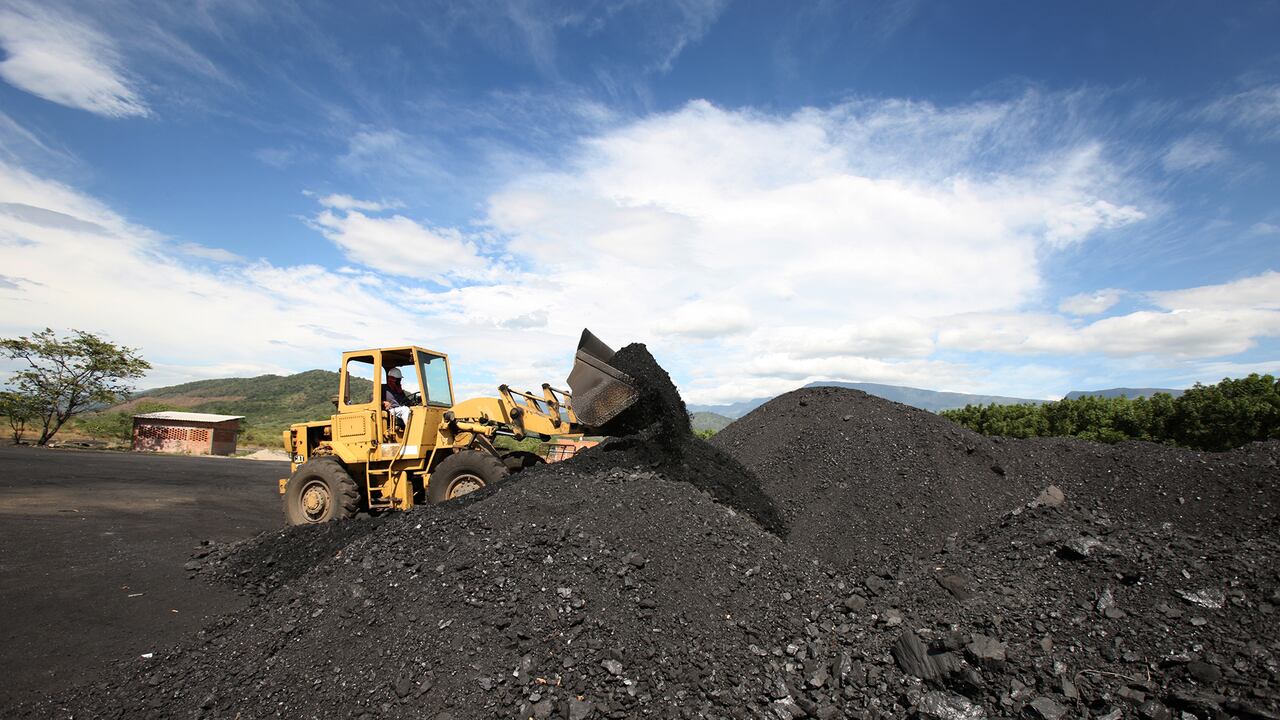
{"x":269,"y":403}
{"x":1131,"y":393}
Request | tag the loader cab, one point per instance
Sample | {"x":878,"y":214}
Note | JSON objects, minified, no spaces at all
{"x":363,"y":385}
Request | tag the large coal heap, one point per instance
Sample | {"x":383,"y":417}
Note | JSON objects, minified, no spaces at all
{"x":862,"y":480}
{"x":654,"y":434}
{"x":620,"y":594}
{"x":614,"y":594}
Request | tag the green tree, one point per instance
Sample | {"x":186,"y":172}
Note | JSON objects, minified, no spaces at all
{"x":19,"y":410}
{"x":118,"y":425}
{"x":1214,"y":417}
{"x":1229,"y":414}
{"x":61,"y":377}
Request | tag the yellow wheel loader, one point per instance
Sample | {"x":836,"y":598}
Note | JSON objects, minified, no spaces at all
{"x":399,"y":439}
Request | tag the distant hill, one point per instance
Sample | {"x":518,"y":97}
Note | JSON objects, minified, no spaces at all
{"x":1130,"y":393}
{"x":931,"y":400}
{"x":710,"y":421}
{"x":269,"y":403}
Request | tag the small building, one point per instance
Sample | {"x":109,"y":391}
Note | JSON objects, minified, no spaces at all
{"x":186,"y":432}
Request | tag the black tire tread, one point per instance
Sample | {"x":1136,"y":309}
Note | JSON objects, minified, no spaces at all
{"x":518,"y":460}
{"x":341,"y":485}
{"x":490,"y":469}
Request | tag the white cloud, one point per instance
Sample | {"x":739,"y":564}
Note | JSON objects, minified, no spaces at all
{"x":788,"y":217}
{"x":346,"y":202}
{"x":879,"y":337}
{"x":400,"y":246}
{"x":1068,"y":224}
{"x":1194,"y":153}
{"x":62,"y":58}
{"x":1260,"y":229}
{"x":209,"y":253}
{"x":1202,"y":322}
{"x":1212,"y":372}
{"x":704,"y":319}
{"x":1091,"y":303}
{"x":1260,"y":292}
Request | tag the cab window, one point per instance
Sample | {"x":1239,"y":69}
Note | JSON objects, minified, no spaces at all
{"x":435,"y":370}
{"x":359,"y":381}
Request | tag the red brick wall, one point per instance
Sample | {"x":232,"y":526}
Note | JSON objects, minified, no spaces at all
{"x":182,"y":436}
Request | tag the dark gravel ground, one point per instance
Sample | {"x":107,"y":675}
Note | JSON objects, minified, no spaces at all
{"x":928,"y":573}
{"x":92,"y":553}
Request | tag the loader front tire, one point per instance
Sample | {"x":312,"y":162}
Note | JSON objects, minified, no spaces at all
{"x":320,"y":491}
{"x":464,"y":472}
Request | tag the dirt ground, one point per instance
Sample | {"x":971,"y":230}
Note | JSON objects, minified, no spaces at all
{"x":92,"y":549}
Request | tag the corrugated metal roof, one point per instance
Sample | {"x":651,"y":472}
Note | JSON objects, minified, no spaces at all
{"x":188,"y":416}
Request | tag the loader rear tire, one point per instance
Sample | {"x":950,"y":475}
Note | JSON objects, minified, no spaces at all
{"x":464,"y":472}
{"x":518,"y":460}
{"x":320,"y":491}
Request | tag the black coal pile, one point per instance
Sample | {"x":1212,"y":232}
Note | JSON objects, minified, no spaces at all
{"x":616,"y":594}
{"x":862,"y":480}
{"x":265,"y":561}
{"x":1144,"y":481}
{"x":654,"y":434}
{"x":1062,"y":611}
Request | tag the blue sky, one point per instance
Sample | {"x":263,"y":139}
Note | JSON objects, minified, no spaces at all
{"x":1010,"y":198}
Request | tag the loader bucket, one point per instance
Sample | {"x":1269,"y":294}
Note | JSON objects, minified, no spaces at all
{"x":600,"y":392}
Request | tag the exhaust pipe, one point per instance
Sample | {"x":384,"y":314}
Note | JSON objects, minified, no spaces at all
{"x":600,"y":391}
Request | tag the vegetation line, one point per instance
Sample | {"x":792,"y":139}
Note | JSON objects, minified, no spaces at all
{"x":1206,"y":417}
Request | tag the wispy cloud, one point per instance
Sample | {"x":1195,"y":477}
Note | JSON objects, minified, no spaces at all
{"x":346,"y":202}
{"x":62,"y":57}
{"x":19,"y":145}
{"x":387,"y":152}
{"x":691,"y":20}
{"x":205,"y":252}
{"x":1256,"y":110}
{"x":1260,"y":292}
{"x":659,"y":30}
{"x":397,"y":245}
{"x":1091,"y":303}
{"x":1194,"y":153}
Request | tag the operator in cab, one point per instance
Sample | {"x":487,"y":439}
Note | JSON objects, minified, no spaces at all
{"x":394,"y":398}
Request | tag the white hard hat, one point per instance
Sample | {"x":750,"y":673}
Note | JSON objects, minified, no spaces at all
{"x":395,"y":373}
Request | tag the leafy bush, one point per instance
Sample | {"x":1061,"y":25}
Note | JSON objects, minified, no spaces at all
{"x":1213,"y":417}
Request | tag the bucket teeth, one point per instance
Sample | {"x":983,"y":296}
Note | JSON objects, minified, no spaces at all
{"x":600,"y":391}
